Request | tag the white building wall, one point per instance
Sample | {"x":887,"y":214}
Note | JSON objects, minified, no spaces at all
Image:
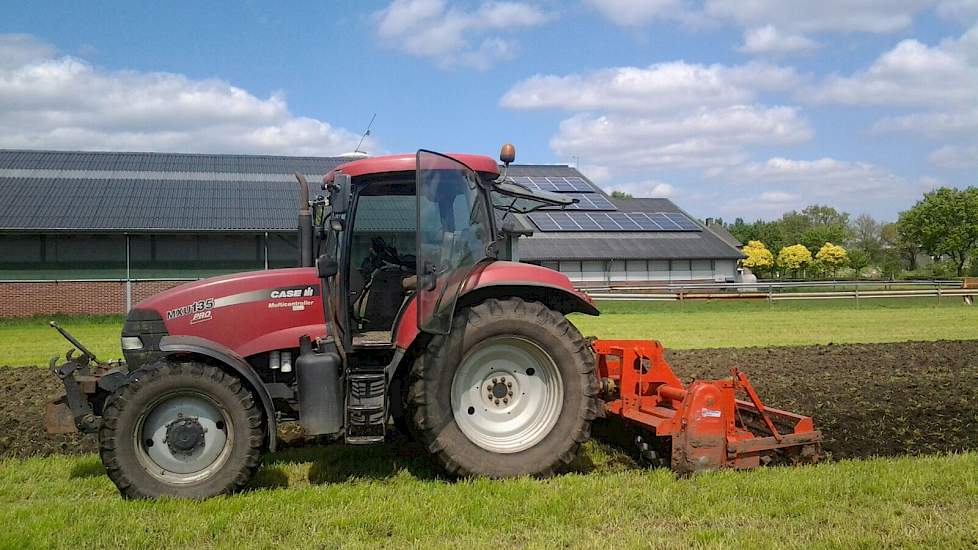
{"x":610,"y":272}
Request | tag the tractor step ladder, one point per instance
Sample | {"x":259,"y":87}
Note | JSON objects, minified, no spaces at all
{"x":366,"y":407}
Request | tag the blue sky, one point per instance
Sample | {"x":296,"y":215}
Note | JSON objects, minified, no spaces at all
{"x":747,"y":108}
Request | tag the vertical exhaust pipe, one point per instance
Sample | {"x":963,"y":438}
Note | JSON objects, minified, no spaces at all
{"x":305,"y":223}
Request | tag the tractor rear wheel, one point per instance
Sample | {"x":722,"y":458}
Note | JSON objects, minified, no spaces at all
{"x":510,"y":391}
{"x":186,"y":430}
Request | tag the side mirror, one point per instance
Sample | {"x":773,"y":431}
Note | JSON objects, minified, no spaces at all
{"x":339,"y":196}
{"x":327,"y":266}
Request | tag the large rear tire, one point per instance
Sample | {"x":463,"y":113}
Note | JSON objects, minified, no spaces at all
{"x":185,"y":430}
{"x":510,"y":391}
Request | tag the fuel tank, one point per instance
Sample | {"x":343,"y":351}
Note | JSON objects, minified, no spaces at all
{"x":249,"y":312}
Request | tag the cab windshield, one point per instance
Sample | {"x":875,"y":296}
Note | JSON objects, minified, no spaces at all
{"x":454,"y":233}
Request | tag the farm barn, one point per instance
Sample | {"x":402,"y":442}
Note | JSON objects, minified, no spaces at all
{"x":102,"y":223}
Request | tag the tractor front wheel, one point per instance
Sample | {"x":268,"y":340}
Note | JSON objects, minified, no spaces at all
{"x":509,"y":391}
{"x":185,"y":430}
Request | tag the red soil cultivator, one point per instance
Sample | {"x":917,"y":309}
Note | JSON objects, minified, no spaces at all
{"x":710,"y":428}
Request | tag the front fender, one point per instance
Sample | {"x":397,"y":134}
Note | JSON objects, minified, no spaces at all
{"x":176,"y":345}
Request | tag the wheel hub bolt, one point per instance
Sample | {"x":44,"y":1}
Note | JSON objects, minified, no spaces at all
{"x":505,"y":400}
{"x":497,"y":401}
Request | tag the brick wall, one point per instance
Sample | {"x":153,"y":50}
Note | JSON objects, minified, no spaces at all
{"x":73,"y":298}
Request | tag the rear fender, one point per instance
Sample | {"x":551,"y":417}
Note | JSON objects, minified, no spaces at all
{"x":499,"y":280}
{"x":193,"y":345}
{"x":554,"y":297}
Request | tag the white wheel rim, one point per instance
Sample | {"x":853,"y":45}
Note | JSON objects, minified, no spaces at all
{"x":160,"y":461}
{"x":518,"y":418}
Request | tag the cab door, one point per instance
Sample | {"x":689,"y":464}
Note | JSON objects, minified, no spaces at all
{"x":454,"y":232}
{"x":333,"y":264}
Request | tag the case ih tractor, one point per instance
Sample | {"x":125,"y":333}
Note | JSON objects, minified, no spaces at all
{"x":404,"y":312}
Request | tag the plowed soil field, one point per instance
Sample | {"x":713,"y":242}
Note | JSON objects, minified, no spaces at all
{"x":875,"y":399}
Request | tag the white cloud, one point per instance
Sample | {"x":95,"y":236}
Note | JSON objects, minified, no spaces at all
{"x":824,"y":177}
{"x":911,"y":74}
{"x":958,"y":10}
{"x":65,"y":103}
{"x":454,"y":36}
{"x":676,"y":114}
{"x":658,"y":87}
{"x":778,"y":197}
{"x":782,"y":26}
{"x":769,"y":40}
{"x":635,"y":13}
{"x":805,"y":16}
{"x":780,"y":184}
{"x":963,"y":122}
{"x":20,"y":49}
{"x":700,"y":138}
{"x":955,"y":156}
{"x":942,"y":80}
{"x":647,"y":188}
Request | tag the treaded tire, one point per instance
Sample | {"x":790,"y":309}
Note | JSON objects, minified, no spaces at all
{"x":121,"y":416}
{"x":429,"y":397}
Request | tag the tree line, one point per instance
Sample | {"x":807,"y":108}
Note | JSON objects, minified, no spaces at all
{"x":941,"y":229}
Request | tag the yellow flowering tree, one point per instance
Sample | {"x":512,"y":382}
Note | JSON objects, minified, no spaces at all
{"x":794,"y":258}
{"x":831,"y":257}
{"x":759,"y":259}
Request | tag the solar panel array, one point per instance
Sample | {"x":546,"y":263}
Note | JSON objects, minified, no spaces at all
{"x":585,"y":201}
{"x":613,"y":221}
{"x":555,"y":184}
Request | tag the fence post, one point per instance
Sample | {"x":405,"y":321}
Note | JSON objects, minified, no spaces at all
{"x":857,"y":296}
{"x":938,"y":293}
{"x":128,"y":278}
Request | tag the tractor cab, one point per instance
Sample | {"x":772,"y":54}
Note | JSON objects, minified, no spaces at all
{"x":410,"y":226}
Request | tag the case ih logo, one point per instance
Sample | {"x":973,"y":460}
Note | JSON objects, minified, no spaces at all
{"x":293,"y":292}
{"x":199,"y":305}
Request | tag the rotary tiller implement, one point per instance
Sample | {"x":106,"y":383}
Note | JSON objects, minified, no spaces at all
{"x":709,"y":427}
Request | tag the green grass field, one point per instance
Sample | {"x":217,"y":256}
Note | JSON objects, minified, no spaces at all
{"x":377,"y":497}
{"x":796,"y":323}
{"x":391,"y":496}
{"x":678,"y":326}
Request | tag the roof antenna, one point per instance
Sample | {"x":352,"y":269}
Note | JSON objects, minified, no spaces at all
{"x":365,"y":134}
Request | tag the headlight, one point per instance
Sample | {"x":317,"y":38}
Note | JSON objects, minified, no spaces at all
{"x":132,"y":342}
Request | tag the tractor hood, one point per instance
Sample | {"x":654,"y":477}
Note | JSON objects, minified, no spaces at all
{"x":247,"y":312}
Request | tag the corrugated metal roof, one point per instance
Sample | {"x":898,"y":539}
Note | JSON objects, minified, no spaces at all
{"x":150,"y":205}
{"x":724,"y":235}
{"x":47,"y":191}
{"x":103,"y":191}
{"x":165,"y":162}
{"x":544,"y":170}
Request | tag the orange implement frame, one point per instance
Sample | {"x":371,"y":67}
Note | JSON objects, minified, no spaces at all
{"x":710,"y":428}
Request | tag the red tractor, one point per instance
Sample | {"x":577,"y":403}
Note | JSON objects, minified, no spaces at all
{"x":404,"y":312}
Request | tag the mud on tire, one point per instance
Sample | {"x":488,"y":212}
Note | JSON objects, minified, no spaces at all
{"x":131,"y":406}
{"x":430,"y":394}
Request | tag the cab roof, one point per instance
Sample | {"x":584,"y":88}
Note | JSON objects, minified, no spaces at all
{"x":407,"y":162}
